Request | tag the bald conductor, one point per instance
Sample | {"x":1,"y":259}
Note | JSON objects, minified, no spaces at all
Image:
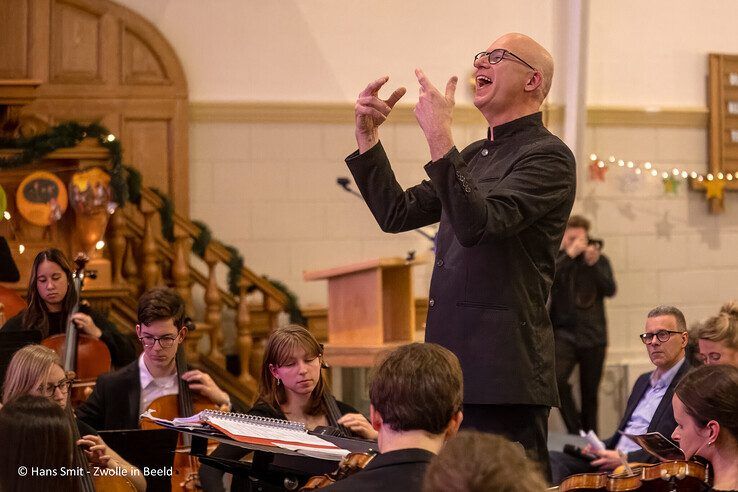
{"x":502,"y":203}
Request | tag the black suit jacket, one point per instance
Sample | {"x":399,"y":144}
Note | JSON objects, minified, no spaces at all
{"x":502,"y":207}
{"x":113,"y":404}
{"x":663,"y":419}
{"x":401,"y":470}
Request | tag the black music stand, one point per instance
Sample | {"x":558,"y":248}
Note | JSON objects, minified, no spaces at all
{"x":11,"y":342}
{"x":149,"y":450}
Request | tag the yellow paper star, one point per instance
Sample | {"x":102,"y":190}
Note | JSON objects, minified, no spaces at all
{"x":714,"y":189}
{"x":671,"y":184}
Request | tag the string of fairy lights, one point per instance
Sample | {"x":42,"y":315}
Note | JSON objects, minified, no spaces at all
{"x":648,"y":168}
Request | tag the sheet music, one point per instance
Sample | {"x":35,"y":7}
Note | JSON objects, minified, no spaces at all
{"x":257,"y":430}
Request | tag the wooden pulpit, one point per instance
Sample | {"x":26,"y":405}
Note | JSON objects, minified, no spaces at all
{"x":370,"y":309}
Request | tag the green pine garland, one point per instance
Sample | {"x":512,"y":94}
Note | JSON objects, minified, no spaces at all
{"x":201,"y":242}
{"x":235,"y":265}
{"x":166,"y":212}
{"x":64,"y":136}
{"x":126,"y":185}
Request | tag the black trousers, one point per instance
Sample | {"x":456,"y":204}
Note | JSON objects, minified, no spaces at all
{"x":591,"y":361}
{"x":564,"y":465}
{"x":526,"y":424}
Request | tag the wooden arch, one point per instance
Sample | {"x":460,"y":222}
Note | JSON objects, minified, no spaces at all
{"x":98,"y":61}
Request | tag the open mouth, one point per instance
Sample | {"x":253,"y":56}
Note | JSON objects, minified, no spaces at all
{"x":483,"y":80}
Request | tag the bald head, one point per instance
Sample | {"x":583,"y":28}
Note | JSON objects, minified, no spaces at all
{"x":532,"y":52}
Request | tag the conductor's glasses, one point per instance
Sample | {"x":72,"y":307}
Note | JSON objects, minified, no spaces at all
{"x":165,"y":342}
{"x":496,"y":56}
{"x":49,"y":389}
{"x":661,"y":335}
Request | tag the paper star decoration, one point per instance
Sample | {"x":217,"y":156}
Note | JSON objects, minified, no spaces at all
{"x":671,"y":185}
{"x":714,"y":189}
{"x":597,"y":173}
{"x":664,"y":227}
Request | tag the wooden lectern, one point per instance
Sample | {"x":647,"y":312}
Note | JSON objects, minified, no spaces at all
{"x":370,"y":309}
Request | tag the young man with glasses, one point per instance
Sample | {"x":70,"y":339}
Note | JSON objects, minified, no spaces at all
{"x":120,"y":397}
{"x":649,"y":405}
{"x":502,"y":203}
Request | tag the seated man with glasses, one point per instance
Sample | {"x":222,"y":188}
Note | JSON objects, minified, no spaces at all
{"x":120,"y":397}
{"x":649,"y":405}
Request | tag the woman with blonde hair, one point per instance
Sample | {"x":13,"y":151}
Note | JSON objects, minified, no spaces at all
{"x":36,"y":370}
{"x":717,"y":337}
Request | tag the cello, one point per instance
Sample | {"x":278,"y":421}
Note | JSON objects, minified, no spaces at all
{"x":82,"y":355}
{"x":185,"y":469}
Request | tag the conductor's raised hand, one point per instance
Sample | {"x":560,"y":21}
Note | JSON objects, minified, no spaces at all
{"x":434,"y":113}
{"x":371,"y":111}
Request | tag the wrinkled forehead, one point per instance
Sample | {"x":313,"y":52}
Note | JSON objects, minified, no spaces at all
{"x":664,"y":322}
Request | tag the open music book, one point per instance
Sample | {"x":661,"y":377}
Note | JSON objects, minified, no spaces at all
{"x":257,"y":430}
{"x":658,"y":446}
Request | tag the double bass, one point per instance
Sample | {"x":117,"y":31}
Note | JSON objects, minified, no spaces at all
{"x":82,"y":355}
{"x":185,"y":472}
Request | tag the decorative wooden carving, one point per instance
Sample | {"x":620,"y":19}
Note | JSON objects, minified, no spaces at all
{"x":723,"y":88}
{"x":98,"y":61}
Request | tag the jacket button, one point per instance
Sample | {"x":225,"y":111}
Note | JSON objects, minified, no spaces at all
{"x":485,"y":152}
{"x":439,"y":262}
{"x":431,"y":302}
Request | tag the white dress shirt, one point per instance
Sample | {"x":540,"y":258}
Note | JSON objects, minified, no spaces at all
{"x":153,"y":388}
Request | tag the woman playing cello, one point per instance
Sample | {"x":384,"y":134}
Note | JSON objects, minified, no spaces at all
{"x":50,"y":300}
{"x":706,"y":410}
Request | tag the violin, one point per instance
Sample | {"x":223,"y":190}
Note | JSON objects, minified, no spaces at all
{"x":91,"y":482}
{"x":669,"y":476}
{"x":185,"y":472}
{"x":350,"y":464}
{"x":82,"y":355}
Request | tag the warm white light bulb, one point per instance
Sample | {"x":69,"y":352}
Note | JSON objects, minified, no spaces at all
{"x":21,"y":249}
{"x":720,"y":176}
{"x":638,"y":170}
{"x":6,"y":214}
{"x":100,"y":245}
{"x":664,"y":175}
{"x":110,"y":137}
{"x":647,"y":165}
{"x":693,"y":174}
{"x":592,"y":157}
{"x":709,"y":177}
{"x":611,"y":158}
{"x":675,"y":172}
{"x":601,"y":164}
{"x":685,"y":174}
{"x":630,"y":164}
{"x":654,"y":172}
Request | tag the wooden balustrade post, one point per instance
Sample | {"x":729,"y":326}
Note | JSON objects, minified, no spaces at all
{"x":245,"y":342}
{"x":213,"y":306}
{"x":181,"y":269}
{"x":117,"y":244}
{"x":272,"y":309}
{"x":150,"y":272}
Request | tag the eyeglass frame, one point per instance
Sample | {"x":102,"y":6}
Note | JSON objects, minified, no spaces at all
{"x":44,"y":389}
{"x":649,"y":336}
{"x":504,"y":53}
{"x":158,"y":339}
